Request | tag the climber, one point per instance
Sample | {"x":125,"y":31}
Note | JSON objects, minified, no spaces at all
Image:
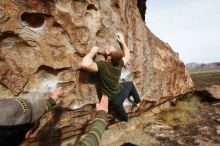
{"x":18,"y":116}
{"x":109,"y":72}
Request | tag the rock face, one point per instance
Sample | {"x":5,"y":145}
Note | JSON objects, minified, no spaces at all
{"x":214,"y":90}
{"x":43,"y":41}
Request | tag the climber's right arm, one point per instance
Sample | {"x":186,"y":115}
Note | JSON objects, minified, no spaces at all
{"x":88,"y":62}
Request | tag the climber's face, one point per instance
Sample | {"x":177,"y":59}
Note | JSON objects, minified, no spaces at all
{"x":108,"y":51}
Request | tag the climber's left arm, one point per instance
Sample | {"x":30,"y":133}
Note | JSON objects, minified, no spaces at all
{"x":88,"y":63}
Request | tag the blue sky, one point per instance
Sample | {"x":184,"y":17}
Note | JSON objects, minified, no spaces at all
{"x":191,"y":27}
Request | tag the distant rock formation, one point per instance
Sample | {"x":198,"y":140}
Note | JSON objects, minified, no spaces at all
{"x":193,"y":67}
{"x":43,"y":41}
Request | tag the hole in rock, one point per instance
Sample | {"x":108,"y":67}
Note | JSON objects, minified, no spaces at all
{"x":9,"y":39}
{"x":33,"y":19}
{"x":56,"y":24}
{"x":7,"y":34}
{"x":128,"y":144}
{"x":92,"y":7}
{"x":51,"y":70}
{"x":116,"y":5}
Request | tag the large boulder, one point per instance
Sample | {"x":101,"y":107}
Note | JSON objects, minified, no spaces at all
{"x":43,"y":41}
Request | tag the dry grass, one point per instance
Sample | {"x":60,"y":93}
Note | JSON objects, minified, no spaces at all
{"x":204,"y":79}
{"x":182,"y":113}
{"x":188,"y":110}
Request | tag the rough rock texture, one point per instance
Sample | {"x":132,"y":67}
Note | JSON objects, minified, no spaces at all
{"x":214,"y":90}
{"x":200,"y":127}
{"x":43,"y":41}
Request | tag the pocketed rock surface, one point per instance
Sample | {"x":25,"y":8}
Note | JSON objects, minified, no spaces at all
{"x":43,"y":41}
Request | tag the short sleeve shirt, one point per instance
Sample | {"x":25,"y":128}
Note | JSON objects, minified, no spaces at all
{"x":109,"y":77}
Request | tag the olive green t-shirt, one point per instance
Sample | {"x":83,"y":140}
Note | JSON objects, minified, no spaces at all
{"x":109,"y":77}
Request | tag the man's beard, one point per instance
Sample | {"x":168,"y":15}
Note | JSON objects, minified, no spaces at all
{"x":105,"y":55}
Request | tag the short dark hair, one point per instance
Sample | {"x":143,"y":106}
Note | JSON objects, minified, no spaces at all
{"x":116,"y":57}
{"x":13,"y":135}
